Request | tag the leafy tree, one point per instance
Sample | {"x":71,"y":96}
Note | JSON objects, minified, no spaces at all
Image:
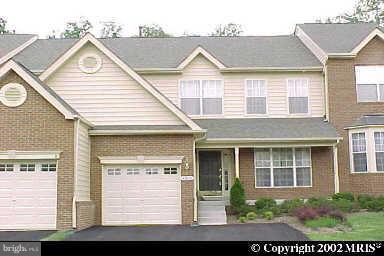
{"x":237,"y":195}
{"x":3,"y":27}
{"x":111,"y":29}
{"x":364,"y":11}
{"x":77,"y":29}
{"x":152,"y":30}
{"x":230,"y":29}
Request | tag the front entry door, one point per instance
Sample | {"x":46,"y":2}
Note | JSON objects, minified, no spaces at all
{"x":210,"y":170}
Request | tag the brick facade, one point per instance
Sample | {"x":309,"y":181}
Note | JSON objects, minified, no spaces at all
{"x":150,"y":145}
{"x":37,"y":126}
{"x":322,"y":177}
{"x":85,"y":214}
{"x":344,"y":109}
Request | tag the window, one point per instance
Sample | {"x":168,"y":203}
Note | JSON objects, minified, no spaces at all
{"x":114,"y":172}
{"x":369,"y":83}
{"x":6,"y":167}
{"x":283,"y":167}
{"x":133,"y":171}
{"x":379,"y":151}
{"x":27,"y":167}
{"x":171,"y":170}
{"x":48,"y":167}
{"x":297,"y":96}
{"x":201,"y":97}
{"x":256,"y":96}
{"x":152,"y":171}
{"x":359,"y":152}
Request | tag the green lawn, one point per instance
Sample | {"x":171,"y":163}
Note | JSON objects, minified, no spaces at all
{"x":58,"y":236}
{"x":365,"y":226}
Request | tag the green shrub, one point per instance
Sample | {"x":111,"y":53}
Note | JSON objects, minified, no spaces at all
{"x":245,"y":209}
{"x":251,"y":216}
{"x":344,"y":195}
{"x":322,"y":222}
{"x":237,"y":196}
{"x":364,"y":201}
{"x":242,"y":219}
{"x":289,"y":206}
{"x":343,"y":205}
{"x":268,"y":215}
{"x":318,"y":202}
{"x":265,"y":203}
{"x":377,"y":204}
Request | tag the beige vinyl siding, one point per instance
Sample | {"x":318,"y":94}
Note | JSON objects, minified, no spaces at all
{"x":109,"y":96}
{"x":83,"y":163}
{"x":234,"y":88}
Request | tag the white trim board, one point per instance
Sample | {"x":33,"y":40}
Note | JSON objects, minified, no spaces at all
{"x":29,"y":155}
{"x":143,"y":82}
{"x":141,"y":159}
{"x":200,"y":50}
{"x":18,"y":49}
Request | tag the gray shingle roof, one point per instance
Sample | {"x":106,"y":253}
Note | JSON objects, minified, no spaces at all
{"x":337,"y":37}
{"x":9,"y":42}
{"x":268,"y":128}
{"x":371,"y":119}
{"x":248,"y":51}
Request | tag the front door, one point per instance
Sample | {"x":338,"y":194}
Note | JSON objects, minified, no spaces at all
{"x":210,"y":170}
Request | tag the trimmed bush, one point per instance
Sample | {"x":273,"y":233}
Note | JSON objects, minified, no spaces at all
{"x":289,"y":206}
{"x":343,"y":205}
{"x":323,"y":210}
{"x":268,"y":215}
{"x":377,"y":204}
{"x":245,"y":209}
{"x":265,"y":203}
{"x":237,"y":196}
{"x":251,"y":216}
{"x":306,"y":213}
{"x":337,"y":215}
{"x":318,"y":202}
{"x":322,"y":222}
{"x":242,"y":219}
{"x":344,"y":195}
{"x":365,"y":200}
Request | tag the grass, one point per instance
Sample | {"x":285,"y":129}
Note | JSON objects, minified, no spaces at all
{"x":322,"y":222}
{"x":58,"y":236}
{"x":365,"y":226}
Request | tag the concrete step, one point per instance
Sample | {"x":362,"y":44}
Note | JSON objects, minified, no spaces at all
{"x":212,"y":198}
{"x":212,"y":214}
{"x":211,"y":203}
{"x":212,"y":221}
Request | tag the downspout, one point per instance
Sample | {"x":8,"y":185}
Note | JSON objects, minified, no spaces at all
{"x":326,"y":92}
{"x":74,"y":198}
{"x":336,"y":167}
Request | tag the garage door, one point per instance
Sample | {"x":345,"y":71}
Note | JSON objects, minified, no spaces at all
{"x":141,"y":195}
{"x":28,"y":195}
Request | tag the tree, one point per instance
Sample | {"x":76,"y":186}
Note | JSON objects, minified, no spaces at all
{"x":77,"y":29}
{"x":152,"y":30}
{"x":3,"y":27}
{"x":111,"y":29}
{"x":230,"y":29}
{"x":364,"y":11}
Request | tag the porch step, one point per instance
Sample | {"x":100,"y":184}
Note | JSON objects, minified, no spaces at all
{"x":212,"y":213}
{"x":212,"y":198}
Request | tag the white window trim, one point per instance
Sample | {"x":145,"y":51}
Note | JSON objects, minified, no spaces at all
{"x":38,"y":165}
{"x":293,"y":166}
{"x":13,"y":104}
{"x":370,"y":149}
{"x":266,"y":98}
{"x":201,"y":97}
{"x":309,"y":99}
{"x":377,"y":86}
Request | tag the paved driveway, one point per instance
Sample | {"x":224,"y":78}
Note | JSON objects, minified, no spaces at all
{"x":243,"y":232}
{"x":23,"y":235}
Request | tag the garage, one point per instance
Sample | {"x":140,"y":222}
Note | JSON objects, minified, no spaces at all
{"x":28,"y":195}
{"x":141,"y":194}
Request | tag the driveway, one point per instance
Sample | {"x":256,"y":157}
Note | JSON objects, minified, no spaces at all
{"x":24,"y":235}
{"x":241,"y":232}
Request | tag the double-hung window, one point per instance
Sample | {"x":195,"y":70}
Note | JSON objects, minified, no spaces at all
{"x":283,"y":167}
{"x":256,"y":96}
{"x":379,"y":151}
{"x":359,"y":152}
{"x":201,"y":97}
{"x":369,"y":83}
{"x":298,"y":95}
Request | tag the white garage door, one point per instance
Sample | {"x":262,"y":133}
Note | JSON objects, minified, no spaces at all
{"x":141,"y":195}
{"x":28,"y":195}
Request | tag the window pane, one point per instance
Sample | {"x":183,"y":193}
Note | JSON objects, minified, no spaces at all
{"x":303,"y":176}
{"x":298,"y":105}
{"x":297,"y":88}
{"x":256,"y":105}
{"x":302,"y":157}
{"x":366,"y":92}
{"x":358,"y":142}
{"x":263,"y":158}
{"x":379,"y":141}
{"x":190,"y":89}
{"x":191,"y":106}
{"x":212,"y":89}
{"x":380,"y":161}
{"x":381,"y":92}
{"x":283,"y":177}
{"x":212,"y":106}
{"x":282,"y":157}
{"x":263,"y":177}
{"x":360,"y":162}
{"x":256,"y":88}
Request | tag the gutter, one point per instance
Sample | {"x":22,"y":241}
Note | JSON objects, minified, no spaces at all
{"x":143,"y":132}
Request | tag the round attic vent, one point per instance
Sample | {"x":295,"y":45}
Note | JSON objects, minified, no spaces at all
{"x":13,"y":95}
{"x":90,"y":63}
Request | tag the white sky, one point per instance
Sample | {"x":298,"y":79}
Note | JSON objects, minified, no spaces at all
{"x":258,"y":17}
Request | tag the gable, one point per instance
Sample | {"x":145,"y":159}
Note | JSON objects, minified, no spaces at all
{"x":372,"y":53}
{"x":201,"y":68}
{"x":110,"y":96}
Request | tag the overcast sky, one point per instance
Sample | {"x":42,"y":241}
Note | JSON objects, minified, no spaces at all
{"x":258,"y":17}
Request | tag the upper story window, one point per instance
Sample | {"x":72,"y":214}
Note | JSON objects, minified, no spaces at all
{"x":369,"y":83}
{"x":297,"y":95}
{"x":256,"y":96}
{"x":201,"y":97}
